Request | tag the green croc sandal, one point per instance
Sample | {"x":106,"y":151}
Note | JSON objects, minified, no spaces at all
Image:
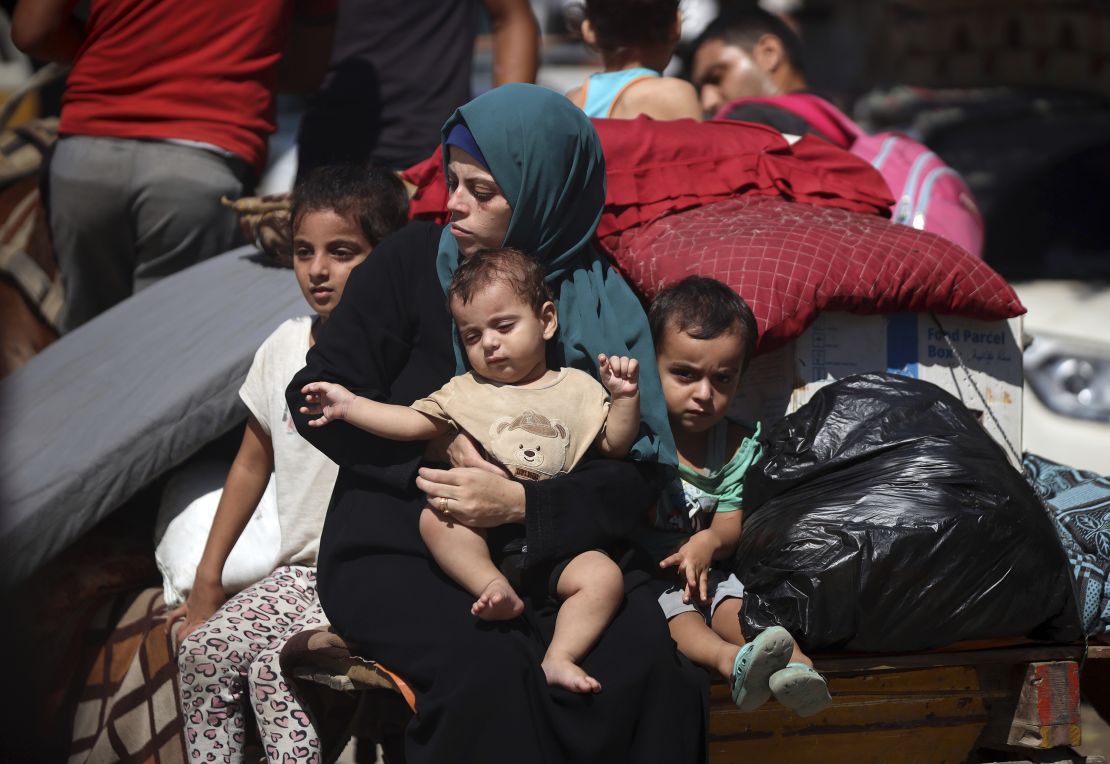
{"x":754,"y":665}
{"x":801,"y":689}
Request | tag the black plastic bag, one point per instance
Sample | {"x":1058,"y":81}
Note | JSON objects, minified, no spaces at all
{"x":883,"y":518}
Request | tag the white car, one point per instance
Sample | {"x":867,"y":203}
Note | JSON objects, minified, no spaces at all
{"x":1066,"y":415}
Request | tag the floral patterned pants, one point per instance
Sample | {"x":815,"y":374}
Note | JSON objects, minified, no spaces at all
{"x":232,"y":660}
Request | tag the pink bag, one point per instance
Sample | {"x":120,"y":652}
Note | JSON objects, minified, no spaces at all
{"x":929,"y":195}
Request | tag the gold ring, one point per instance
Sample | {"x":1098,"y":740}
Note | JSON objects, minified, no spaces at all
{"x":443,"y":504}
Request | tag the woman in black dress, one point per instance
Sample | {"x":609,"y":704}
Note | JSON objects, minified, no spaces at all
{"x":525,"y":170}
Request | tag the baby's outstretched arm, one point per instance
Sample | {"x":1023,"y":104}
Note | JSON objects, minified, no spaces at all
{"x":334,"y":402}
{"x":621,"y":377}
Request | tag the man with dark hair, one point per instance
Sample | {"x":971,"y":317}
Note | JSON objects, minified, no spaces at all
{"x":746,"y":53}
{"x":747,"y":66}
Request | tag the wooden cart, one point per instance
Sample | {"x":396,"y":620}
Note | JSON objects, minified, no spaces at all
{"x":1013,"y":703}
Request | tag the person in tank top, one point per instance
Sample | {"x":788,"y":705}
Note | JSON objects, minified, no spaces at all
{"x":636,"y":39}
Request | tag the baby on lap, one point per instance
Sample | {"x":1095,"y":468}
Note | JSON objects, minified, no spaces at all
{"x":535,"y":421}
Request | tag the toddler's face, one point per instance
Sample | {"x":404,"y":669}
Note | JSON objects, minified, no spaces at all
{"x":699,"y":377}
{"x":503,"y":335}
{"x":326,"y":247}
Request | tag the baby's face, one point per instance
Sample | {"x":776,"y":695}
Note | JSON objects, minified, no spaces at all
{"x":699,"y":377}
{"x":504,"y":337}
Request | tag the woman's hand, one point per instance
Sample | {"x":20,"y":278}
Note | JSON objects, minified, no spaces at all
{"x":692,"y":562}
{"x":327,"y":400}
{"x":460,"y":450}
{"x":473,"y":496}
{"x":203,"y":601}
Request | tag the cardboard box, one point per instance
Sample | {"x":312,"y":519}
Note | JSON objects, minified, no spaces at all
{"x":837,"y":345}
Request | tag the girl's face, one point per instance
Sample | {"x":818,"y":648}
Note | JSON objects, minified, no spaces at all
{"x":326,"y":246}
{"x":699,"y":377}
{"x":480,"y":213}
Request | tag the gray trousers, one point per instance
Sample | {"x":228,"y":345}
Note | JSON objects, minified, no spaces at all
{"x":124,"y":213}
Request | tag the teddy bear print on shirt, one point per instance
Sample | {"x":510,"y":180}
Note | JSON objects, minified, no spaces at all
{"x":530,"y":445}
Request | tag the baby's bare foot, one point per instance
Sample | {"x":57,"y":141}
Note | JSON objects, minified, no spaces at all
{"x":567,"y":674}
{"x":497,"y":602}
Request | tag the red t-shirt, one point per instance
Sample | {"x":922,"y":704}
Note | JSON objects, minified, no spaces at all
{"x":197,"y":70}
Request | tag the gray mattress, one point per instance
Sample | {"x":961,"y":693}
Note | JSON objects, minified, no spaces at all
{"x":126,"y":397}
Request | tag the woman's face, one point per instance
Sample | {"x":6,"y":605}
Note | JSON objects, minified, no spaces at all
{"x":480,"y":213}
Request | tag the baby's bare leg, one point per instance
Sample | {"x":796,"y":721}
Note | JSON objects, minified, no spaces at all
{"x":462,"y":553}
{"x":591,"y":588}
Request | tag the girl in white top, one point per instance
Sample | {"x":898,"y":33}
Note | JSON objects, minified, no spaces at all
{"x":229,"y":647}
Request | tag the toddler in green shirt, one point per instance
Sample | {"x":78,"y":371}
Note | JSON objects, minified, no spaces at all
{"x":704,"y":334}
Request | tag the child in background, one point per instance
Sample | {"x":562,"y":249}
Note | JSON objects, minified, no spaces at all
{"x":704,"y":335}
{"x":534,"y":421}
{"x":636,"y":39}
{"x":228,"y":656}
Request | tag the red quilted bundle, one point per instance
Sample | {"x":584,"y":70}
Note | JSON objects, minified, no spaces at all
{"x":655,"y":168}
{"x":791,"y":261}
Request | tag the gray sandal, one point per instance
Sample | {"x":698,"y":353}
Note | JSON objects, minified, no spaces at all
{"x":755,"y":663}
{"x":801,"y":689}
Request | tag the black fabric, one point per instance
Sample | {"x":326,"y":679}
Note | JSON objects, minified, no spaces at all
{"x":883,"y":518}
{"x":399,"y":69}
{"x":783,"y":120}
{"x":481,"y":695}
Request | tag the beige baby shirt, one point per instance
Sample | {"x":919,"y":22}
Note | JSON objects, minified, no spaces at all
{"x":535,"y":432}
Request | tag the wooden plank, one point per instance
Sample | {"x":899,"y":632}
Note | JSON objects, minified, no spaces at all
{"x":1040,"y":710}
{"x":914,"y":715}
{"x":1047,"y":713}
{"x":1057,"y":756}
{"x":1098,"y":652}
{"x":933,"y":746}
{"x":1005,"y":655}
{"x":885,"y":713}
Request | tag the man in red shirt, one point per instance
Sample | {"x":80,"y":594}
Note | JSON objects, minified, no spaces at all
{"x":167,"y":108}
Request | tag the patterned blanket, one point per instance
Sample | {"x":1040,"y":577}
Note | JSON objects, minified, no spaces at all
{"x":1080,"y":505}
{"x":129,"y":705}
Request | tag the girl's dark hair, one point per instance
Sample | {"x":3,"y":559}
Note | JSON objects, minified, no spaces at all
{"x":620,"y":23}
{"x":523,"y":274}
{"x":704,"y":308}
{"x":743,"y":26}
{"x":371,"y":195}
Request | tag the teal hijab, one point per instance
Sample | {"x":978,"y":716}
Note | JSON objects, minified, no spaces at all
{"x":546,"y":157}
